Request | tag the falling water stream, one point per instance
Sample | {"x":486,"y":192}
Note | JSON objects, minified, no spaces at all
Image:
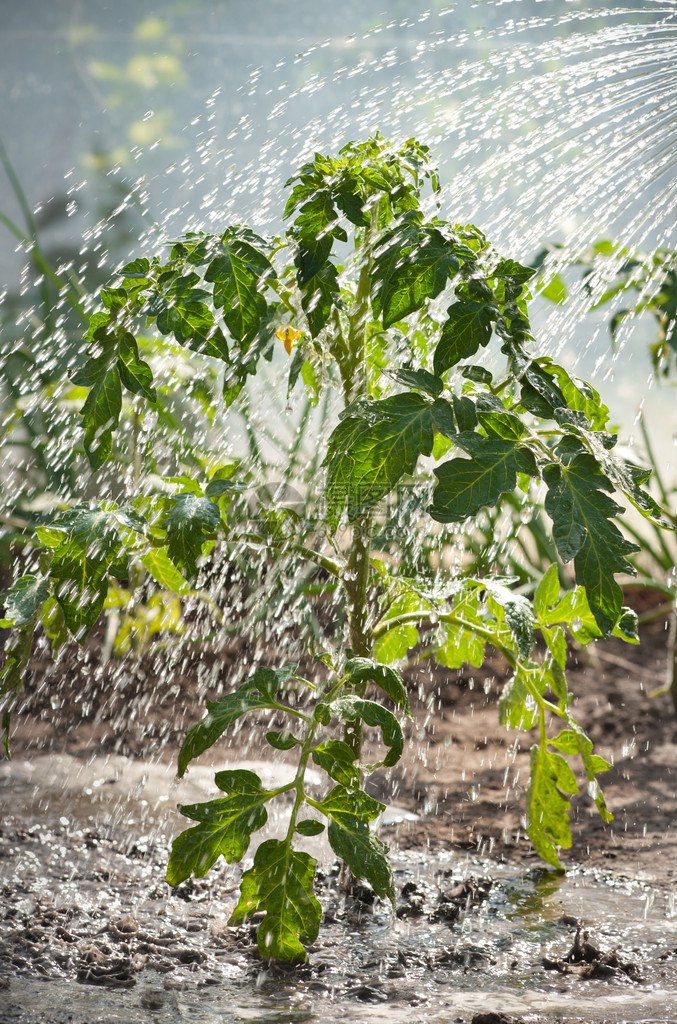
{"x":551,"y":122}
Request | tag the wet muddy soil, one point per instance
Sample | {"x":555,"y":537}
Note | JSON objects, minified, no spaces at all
{"x":90,"y":932}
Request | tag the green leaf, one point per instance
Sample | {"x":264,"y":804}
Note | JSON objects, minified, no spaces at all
{"x":319,"y":292}
{"x":239,"y":272}
{"x":555,"y":289}
{"x":511,"y":270}
{"x":466,"y":329}
{"x":136,"y":269}
{"x":395,"y":644}
{"x":135,"y":374}
{"x":282,"y":740}
{"x":362,"y":670}
{"x":280,"y":885}
{"x":309,"y":827}
{"x":546,"y":594}
{"x":113,"y":298}
{"x":574,"y":741}
{"x":349,"y":707}
{"x":547,"y":808}
{"x":225,"y":828}
{"x":467,"y":485}
{"x":497,"y":420}
{"x":12,"y":674}
{"x":420,"y":270}
{"x":366,"y":457}
{"x":518,"y":615}
{"x":516,"y":708}
{"x":338,"y":761}
{"x":24,"y":599}
{"x":100,"y":415}
{"x":460,"y":647}
{"x":189,"y":523}
{"x":164,"y":572}
{"x":54,"y":625}
{"x":257,"y":692}
{"x":583,"y":529}
{"x":90,"y":551}
{"x":352,"y":842}
{"x":421,"y":380}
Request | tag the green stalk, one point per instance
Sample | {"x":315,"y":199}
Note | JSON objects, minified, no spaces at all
{"x":353,"y":371}
{"x":297,"y":784}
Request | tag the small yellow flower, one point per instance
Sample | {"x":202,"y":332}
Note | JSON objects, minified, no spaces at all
{"x":288,"y":335}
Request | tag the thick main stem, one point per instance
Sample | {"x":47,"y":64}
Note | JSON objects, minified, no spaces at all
{"x":360,"y":639}
{"x":356,"y":580}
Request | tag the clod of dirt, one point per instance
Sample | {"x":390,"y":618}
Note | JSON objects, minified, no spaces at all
{"x":152,"y":998}
{"x":494,"y":1018}
{"x":584,"y":960}
{"x":367,"y":994}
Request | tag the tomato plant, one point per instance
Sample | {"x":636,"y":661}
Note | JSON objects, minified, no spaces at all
{"x":378,"y":300}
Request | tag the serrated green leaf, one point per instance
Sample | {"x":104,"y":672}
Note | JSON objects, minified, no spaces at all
{"x":366,"y":856}
{"x":24,"y":599}
{"x":362,"y":670}
{"x":101,"y":415}
{"x":574,"y":741}
{"x":546,"y":594}
{"x":239,"y":272}
{"x":90,"y":543}
{"x":547,"y":809}
{"x":319,"y":292}
{"x":338,"y":761}
{"x":280,"y":885}
{"x":420,"y":272}
{"x":135,"y":374}
{"x":190,"y":522}
{"x":467,"y":485}
{"x":164,"y":572}
{"x":225,"y":828}
{"x":350,"y":707}
{"x":256,"y":693}
{"x":511,"y":270}
{"x":519,"y":617}
{"x":420,"y":379}
{"x":367,"y":456}
{"x":583,"y":529}
{"x":516,"y":707}
{"x":467,"y":328}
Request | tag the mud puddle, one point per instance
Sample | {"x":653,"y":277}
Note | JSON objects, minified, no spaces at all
{"x":91,"y":933}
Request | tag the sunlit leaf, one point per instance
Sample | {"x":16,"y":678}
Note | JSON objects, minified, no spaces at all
{"x":190,"y":522}
{"x":225,"y":826}
{"x":366,"y":856}
{"x":280,"y":885}
{"x":256,"y":693}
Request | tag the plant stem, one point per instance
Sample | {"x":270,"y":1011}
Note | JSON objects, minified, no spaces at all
{"x":298,"y":778}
